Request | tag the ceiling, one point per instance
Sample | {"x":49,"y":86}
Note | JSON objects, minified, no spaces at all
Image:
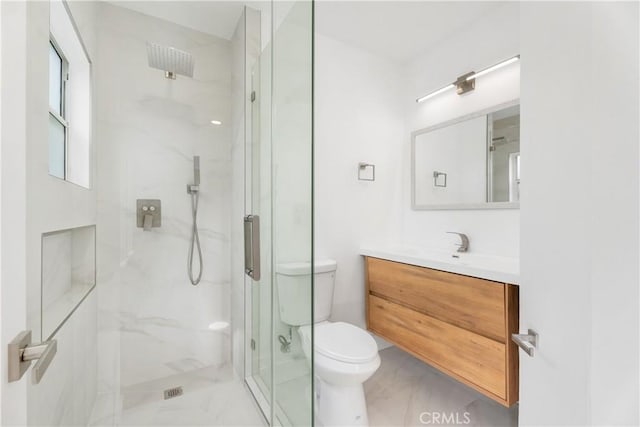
{"x":218,"y":18}
{"x":399,"y":30}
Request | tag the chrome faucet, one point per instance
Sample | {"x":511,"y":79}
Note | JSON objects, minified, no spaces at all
{"x":464,"y":245}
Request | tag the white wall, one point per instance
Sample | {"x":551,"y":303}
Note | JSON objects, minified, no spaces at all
{"x":13,"y":202}
{"x":580,"y":243}
{"x":554,"y":292}
{"x":365,"y":110}
{"x":35,"y":202}
{"x":615,"y":276}
{"x":488,"y":40}
{"x":2,"y":167}
{"x":1,"y":204}
{"x":67,"y":392}
{"x":358,"y":118}
{"x":149,"y":129}
{"x":580,"y":191}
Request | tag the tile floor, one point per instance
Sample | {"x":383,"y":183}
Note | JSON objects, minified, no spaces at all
{"x":403,"y":388}
{"x":212,"y":397}
{"x":400,"y":391}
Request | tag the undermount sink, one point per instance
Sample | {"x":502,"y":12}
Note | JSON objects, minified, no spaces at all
{"x":499,"y":269}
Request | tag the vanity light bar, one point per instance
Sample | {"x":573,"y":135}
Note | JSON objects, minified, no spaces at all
{"x":463,"y":82}
{"x":494,"y":67}
{"x":437,"y":92}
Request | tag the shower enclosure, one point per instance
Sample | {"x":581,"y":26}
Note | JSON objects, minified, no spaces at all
{"x":279,"y":183}
{"x":143,"y":346}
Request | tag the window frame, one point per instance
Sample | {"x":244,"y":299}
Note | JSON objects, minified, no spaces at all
{"x":62,"y":117}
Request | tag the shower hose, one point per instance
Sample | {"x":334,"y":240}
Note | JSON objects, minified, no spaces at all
{"x":195,"y":241}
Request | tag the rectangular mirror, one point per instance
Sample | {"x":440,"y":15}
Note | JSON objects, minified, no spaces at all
{"x":472,"y":162}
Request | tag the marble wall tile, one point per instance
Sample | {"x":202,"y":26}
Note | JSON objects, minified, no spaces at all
{"x":153,"y":322}
{"x":56,"y":267}
{"x":67,"y":390}
{"x":68,"y":274}
{"x":66,"y":393}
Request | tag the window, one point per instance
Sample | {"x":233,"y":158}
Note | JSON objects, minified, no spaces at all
{"x":69,"y":99}
{"x":58,"y":126}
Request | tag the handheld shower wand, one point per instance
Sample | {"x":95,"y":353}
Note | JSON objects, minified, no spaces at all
{"x":194,"y":191}
{"x":195,"y":187}
{"x":196,"y":170}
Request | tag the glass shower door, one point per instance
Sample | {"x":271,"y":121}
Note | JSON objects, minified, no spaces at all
{"x":292,"y":195}
{"x":259,"y":204}
{"x":279,"y":176}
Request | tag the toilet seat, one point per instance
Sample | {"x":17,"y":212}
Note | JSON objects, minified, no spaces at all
{"x":342,"y":342}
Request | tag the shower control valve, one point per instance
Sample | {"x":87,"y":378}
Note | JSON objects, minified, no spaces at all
{"x":148,"y":214}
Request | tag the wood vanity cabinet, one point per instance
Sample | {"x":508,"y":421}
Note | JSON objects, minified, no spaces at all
{"x":458,"y":324}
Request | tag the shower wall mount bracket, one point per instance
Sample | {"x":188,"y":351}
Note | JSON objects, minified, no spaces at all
{"x":148,"y":213}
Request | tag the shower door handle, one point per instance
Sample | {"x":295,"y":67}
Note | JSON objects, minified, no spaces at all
{"x":252,"y":246}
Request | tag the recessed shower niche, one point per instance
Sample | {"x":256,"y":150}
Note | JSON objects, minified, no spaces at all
{"x":68,"y":274}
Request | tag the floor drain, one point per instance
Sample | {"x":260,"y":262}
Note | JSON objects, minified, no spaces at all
{"x":173,"y":392}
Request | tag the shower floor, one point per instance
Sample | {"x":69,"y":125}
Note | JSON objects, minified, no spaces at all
{"x":212,"y":396}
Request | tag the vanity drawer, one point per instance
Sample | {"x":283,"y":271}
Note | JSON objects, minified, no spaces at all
{"x":470,"y":358}
{"x":470,"y":303}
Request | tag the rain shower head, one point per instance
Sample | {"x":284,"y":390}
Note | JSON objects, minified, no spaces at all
{"x":170,"y":60}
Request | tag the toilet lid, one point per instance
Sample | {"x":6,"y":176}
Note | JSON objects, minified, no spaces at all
{"x":345,"y":342}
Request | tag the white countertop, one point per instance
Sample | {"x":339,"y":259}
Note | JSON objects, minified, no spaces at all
{"x":499,"y":269}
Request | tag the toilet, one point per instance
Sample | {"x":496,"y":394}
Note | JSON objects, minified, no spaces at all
{"x":345,"y":355}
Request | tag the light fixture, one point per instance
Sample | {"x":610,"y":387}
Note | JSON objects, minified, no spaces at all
{"x":494,"y":67}
{"x":467,"y":82}
{"x":437,"y":92}
{"x":216,"y":122}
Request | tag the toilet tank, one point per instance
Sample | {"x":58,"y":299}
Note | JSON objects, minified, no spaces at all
{"x":294,"y":291}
